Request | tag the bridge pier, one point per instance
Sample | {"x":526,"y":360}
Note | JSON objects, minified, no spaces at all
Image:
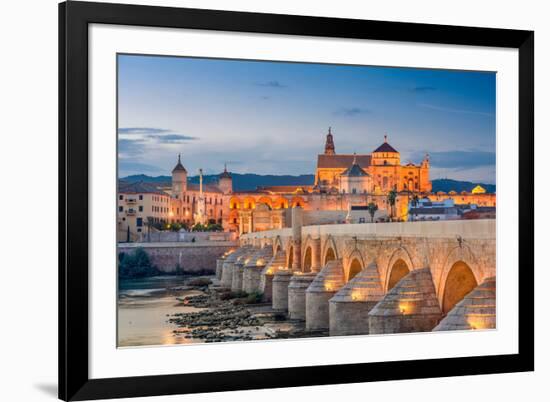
{"x":476,"y":311}
{"x":411,"y":306}
{"x":253,"y":270}
{"x":281,"y":280}
{"x":297,"y":295}
{"x":322,"y":289}
{"x":227,"y":269}
{"x":219,"y":266}
{"x":349,"y":308}
{"x":266,"y":279}
{"x":238,"y":268}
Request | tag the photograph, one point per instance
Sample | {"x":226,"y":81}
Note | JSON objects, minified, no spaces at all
{"x":261,"y":200}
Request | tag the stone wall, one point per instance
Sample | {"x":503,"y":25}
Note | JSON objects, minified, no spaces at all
{"x":191,"y":257}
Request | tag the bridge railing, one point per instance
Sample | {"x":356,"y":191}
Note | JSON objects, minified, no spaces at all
{"x":478,"y":229}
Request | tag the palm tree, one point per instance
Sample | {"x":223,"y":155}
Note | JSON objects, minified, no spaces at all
{"x":372,"y":208}
{"x":392,"y":197}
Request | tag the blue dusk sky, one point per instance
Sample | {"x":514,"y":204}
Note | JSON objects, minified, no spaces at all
{"x":272,"y":117}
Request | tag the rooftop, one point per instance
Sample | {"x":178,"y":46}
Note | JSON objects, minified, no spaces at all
{"x":342,"y":161}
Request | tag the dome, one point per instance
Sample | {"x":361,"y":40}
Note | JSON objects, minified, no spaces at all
{"x":354,"y":170}
{"x":179,"y":167}
{"x":385,"y":147}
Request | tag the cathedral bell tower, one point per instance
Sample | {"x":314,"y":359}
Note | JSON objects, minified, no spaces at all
{"x":179,"y":178}
{"x":329,"y":144}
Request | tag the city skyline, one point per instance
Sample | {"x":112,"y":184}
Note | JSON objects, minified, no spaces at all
{"x":272,"y":117}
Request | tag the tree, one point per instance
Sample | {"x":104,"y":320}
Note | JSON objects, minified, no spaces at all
{"x":372,"y":208}
{"x":392,"y":197}
{"x":136,"y":265}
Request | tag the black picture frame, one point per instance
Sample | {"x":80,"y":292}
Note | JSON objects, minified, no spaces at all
{"x":74,"y":18}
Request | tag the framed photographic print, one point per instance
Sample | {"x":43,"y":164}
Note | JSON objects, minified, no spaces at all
{"x":257,"y":200}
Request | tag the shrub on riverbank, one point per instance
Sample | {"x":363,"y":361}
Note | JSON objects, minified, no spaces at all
{"x":135,"y":265}
{"x":199,"y":282}
{"x":250,"y":298}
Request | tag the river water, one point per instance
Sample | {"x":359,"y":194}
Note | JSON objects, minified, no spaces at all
{"x":146,"y":305}
{"x":143,"y":309}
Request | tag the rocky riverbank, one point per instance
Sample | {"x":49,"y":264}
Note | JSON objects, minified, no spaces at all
{"x":230,"y":316}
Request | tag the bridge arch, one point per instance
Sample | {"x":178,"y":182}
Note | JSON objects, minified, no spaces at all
{"x":454,"y":264}
{"x":249,"y":203}
{"x":356,"y":263}
{"x":400,"y":264}
{"x":330,"y":252}
{"x":290,"y":257}
{"x":280,"y":203}
{"x":277,"y":245}
{"x":234,"y":203}
{"x":265,"y":200}
{"x":298,"y":201}
{"x":459,"y":282}
{"x":306,"y":266}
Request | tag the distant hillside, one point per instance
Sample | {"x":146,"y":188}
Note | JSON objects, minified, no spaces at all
{"x":241,"y":182}
{"x":250,"y":181}
{"x":447,"y":185}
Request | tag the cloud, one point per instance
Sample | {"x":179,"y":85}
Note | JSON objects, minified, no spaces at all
{"x":171,"y":138}
{"x":142,"y":130}
{"x":129,"y":148}
{"x":454,"y":110}
{"x":351,"y":111}
{"x":458,"y":159}
{"x":272,"y":84}
{"x":422,"y":89}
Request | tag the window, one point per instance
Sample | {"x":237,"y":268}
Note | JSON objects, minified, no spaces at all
{"x":141,"y":197}
{"x":140,"y":208}
{"x":139,"y":222}
{"x":139,"y":230}
{"x":120,"y":197}
{"x":120,"y":209}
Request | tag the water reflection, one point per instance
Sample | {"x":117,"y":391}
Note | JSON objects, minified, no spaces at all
{"x":143,"y":309}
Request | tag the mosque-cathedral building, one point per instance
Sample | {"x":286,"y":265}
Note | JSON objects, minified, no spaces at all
{"x":344,"y":185}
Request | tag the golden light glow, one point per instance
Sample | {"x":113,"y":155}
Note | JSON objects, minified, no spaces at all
{"x":476,"y":323}
{"x":260,"y":262}
{"x":405,"y":307}
{"x":356,"y":295}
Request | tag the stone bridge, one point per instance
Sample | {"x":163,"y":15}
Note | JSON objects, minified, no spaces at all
{"x":372,"y":278}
